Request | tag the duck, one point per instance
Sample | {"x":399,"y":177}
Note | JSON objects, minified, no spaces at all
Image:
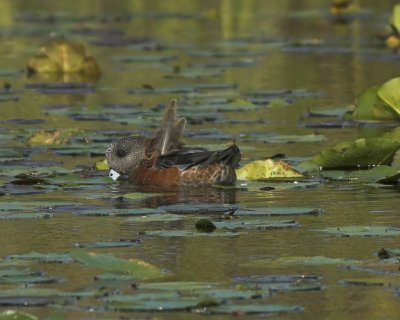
{"x":164,"y":160}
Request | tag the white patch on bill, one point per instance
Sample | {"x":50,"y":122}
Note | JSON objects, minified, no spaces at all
{"x":114,"y":174}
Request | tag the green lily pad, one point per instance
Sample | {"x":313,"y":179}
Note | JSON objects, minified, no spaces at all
{"x":256,"y":224}
{"x":331,"y":112}
{"x":363,"y":282}
{"x":284,"y":211}
{"x":144,"y":58}
{"x":396,"y":17}
{"x":109,"y":244}
{"x":40,"y":292}
{"x":299,"y":260}
{"x":389,"y":94}
{"x":42,"y":257}
{"x":197,"y":208}
{"x":379,"y":174}
{"x":110,"y":263}
{"x":156,"y":305}
{"x":254,"y":308}
{"x":354,"y":154}
{"x":161,"y":217}
{"x":271,"y":138}
{"x":16,"y":315}
{"x":176,"y":286}
{"x":187,"y":233}
{"x":26,"y":276}
{"x":363,"y":231}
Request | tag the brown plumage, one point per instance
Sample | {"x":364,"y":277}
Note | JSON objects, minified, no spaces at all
{"x":164,"y":160}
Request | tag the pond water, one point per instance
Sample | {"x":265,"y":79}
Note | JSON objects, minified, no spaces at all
{"x":291,"y":257}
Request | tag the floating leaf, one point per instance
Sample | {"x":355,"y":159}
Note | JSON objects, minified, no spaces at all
{"x":51,"y":137}
{"x":271,"y":211}
{"x":256,"y":224}
{"x":273,"y":138}
{"x":110,"y":244}
{"x":102,"y":165}
{"x":176,"y":286}
{"x":363,"y":231}
{"x":198,"y":208}
{"x":108,"y":262}
{"x":42,"y":257}
{"x":254,"y":308}
{"x":299,"y":260}
{"x":16,"y":315}
{"x":355,"y":154}
{"x":160,"y":217}
{"x":330,"y":112}
{"x":378,"y":174}
{"x":266,"y":169}
{"x":186,"y":233}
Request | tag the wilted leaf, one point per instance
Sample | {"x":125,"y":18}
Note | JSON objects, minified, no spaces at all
{"x":266,"y":169}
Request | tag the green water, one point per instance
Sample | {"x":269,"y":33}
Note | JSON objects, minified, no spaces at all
{"x":179,"y":28}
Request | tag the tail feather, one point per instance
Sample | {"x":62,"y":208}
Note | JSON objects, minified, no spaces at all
{"x":168,"y":136}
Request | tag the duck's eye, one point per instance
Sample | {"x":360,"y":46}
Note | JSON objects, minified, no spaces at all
{"x":120,"y":153}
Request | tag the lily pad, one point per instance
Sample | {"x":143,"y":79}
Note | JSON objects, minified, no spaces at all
{"x":266,"y":169}
{"x":254,"y":309}
{"x":110,"y":244}
{"x":272,"y":138}
{"x":355,"y":154}
{"x":363,"y":231}
{"x":276,"y":211}
{"x":185,"y":286}
{"x":161,"y":217}
{"x":42,"y":257}
{"x":16,"y":315}
{"x":263,"y":224}
{"x":187,"y":233}
{"x":139,"y":268}
{"x":198,"y":208}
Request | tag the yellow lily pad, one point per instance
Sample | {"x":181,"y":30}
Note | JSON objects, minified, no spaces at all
{"x":102,"y":165}
{"x":266,"y":169}
{"x":50,"y":137}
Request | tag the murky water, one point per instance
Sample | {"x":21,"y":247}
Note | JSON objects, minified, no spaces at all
{"x":260,"y":38}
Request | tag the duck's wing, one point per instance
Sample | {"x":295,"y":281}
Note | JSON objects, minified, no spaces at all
{"x":187,"y":157}
{"x":168,"y":137}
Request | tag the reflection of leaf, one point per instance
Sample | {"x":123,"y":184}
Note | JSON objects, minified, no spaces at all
{"x":265,"y":169}
{"x":108,"y":262}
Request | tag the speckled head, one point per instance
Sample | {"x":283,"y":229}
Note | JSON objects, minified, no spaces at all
{"x":126,"y":154}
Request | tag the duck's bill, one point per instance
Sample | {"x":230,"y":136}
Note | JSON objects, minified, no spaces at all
{"x":113,"y":174}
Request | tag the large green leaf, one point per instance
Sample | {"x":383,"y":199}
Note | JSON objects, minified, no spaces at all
{"x":389,"y":93}
{"x":355,"y":154}
{"x":396,"y":16}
